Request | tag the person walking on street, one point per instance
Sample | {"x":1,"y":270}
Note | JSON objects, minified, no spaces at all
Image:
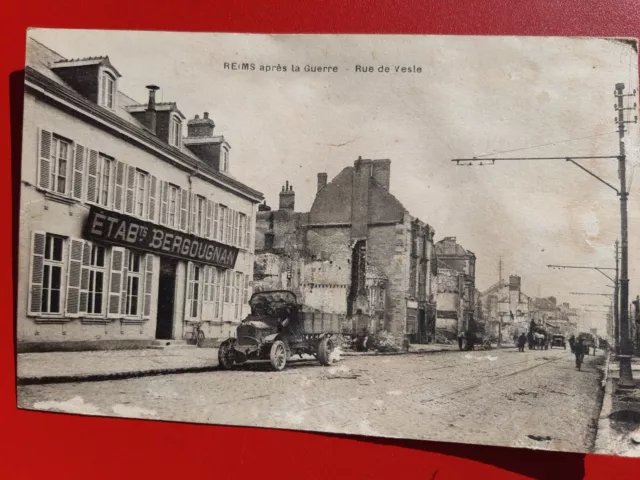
{"x":578,"y":351}
{"x":522,"y":340}
{"x":572,"y":343}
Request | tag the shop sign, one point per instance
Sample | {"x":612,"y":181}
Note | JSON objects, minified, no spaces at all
{"x":122,"y":230}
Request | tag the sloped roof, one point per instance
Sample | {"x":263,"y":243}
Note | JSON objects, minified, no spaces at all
{"x":41,"y":58}
{"x":80,"y":62}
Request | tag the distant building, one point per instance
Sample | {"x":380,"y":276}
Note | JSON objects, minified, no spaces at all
{"x":456,"y":296}
{"x":506,"y":309}
{"x":357,"y":252}
{"x":129,"y":231}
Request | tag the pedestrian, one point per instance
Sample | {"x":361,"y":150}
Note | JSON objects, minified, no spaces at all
{"x":530,"y":339}
{"x":572,"y":343}
{"x":578,"y":351}
{"x":522,"y":340}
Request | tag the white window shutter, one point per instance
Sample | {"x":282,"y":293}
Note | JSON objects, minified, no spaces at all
{"x":164,"y":203}
{"x":115,"y":281}
{"x":148,"y":286}
{"x":38,"y":241}
{"x":44,"y":159}
{"x":209,"y":222}
{"x":207,"y":294}
{"x":131,"y":179}
{"x":215,"y":234}
{"x":74,"y":274}
{"x":79,"y":158}
{"x":125,"y":271}
{"x":84,"y":278}
{"x":194,"y":214}
{"x":151,"y":206}
{"x":92,"y":176}
{"x":119,"y":193}
{"x":184,"y":209}
{"x":188,"y":292}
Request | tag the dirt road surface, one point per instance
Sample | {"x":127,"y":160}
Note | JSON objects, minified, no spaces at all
{"x":534,"y":399}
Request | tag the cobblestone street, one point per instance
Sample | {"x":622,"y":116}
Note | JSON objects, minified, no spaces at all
{"x":535,"y":399}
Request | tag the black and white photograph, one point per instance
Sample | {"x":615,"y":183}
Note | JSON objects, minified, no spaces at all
{"x":407,"y":236}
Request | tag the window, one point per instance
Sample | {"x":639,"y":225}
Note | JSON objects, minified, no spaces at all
{"x":60,"y":156}
{"x":218,"y":276}
{"x":133,"y":285}
{"x":200,"y":214}
{"x":247,"y":234}
{"x":245,"y":293}
{"x":237,"y":299}
{"x":140,"y":193}
{"x":103,"y":181}
{"x":173,"y":206}
{"x":222,"y":232}
{"x":96,"y":280}
{"x":227,"y":286}
{"x":107,"y":90}
{"x":175,"y":131}
{"x":230,"y":226}
{"x":224,"y":161}
{"x":194,"y":288}
{"x":52,"y":275}
{"x":236,"y":233}
{"x":214,"y":233}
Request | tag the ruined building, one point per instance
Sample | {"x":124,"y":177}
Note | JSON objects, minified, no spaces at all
{"x":357,"y":252}
{"x":456,"y":297}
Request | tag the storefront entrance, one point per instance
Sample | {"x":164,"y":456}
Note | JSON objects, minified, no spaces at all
{"x":166,"y":297}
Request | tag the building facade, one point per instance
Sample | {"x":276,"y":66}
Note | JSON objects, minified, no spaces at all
{"x":358,"y":252}
{"x":456,"y":297}
{"x":506,"y":309}
{"x":129,"y":231}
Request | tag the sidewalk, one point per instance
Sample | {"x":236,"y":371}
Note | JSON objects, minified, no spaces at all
{"x":619,"y":423}
{"x":67,"y":367}
{"x":64,"y":367}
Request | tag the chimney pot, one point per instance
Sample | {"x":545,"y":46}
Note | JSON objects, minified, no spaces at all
{"x":206,"y":114}
{"x":197,"y":116}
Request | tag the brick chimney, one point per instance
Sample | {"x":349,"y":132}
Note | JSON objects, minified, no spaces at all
{"x":514,"y":283}
{"x":362,"y":173}
{"x":263,"y":207}
{"x":200,"y":127}
{"x":381,"y":172}
{"x":322,"y":181}
{"x":211,"y":149}
{"x":150,"y":115}
{"x":287,"y":198}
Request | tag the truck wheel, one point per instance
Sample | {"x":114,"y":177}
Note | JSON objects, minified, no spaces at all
{"x":225,"y":359}
{"x":325,"y":350}
{"x":278,"y":355}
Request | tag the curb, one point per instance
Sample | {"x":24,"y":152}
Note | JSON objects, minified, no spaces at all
{"x":602,"y":443}
{"x":21,"y":381}
{"x":417,"y":352}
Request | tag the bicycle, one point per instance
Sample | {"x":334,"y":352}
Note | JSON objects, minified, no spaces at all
{"x":196,"y":335}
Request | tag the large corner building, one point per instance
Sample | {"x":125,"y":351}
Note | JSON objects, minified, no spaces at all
{"x":129,"y":231}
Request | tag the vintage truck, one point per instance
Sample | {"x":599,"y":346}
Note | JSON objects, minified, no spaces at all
{"x":277,"y":329}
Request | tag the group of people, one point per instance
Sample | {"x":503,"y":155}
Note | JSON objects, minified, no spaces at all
{"x":578,"y":348}
{"x":534,"y":340}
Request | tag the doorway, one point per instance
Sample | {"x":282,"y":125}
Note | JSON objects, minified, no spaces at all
{"x":423,"y":333}
{"x":166,"y":297}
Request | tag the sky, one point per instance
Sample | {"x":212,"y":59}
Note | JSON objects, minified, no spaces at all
{"x":502,"y":96}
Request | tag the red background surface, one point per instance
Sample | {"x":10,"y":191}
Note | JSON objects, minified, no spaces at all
{"x":41,"y":445}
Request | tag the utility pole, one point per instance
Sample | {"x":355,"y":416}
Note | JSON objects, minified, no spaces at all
{"x":616,"y":300}
{"x":626,"y":344}
{"x":499,"y":312}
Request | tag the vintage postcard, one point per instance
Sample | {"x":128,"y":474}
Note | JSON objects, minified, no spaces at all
{"x":427,"y":237}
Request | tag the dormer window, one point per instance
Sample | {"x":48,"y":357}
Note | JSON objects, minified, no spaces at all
{"x":107,"y":93}
{"x":224,"y":161}
{"x":175,"y":131}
